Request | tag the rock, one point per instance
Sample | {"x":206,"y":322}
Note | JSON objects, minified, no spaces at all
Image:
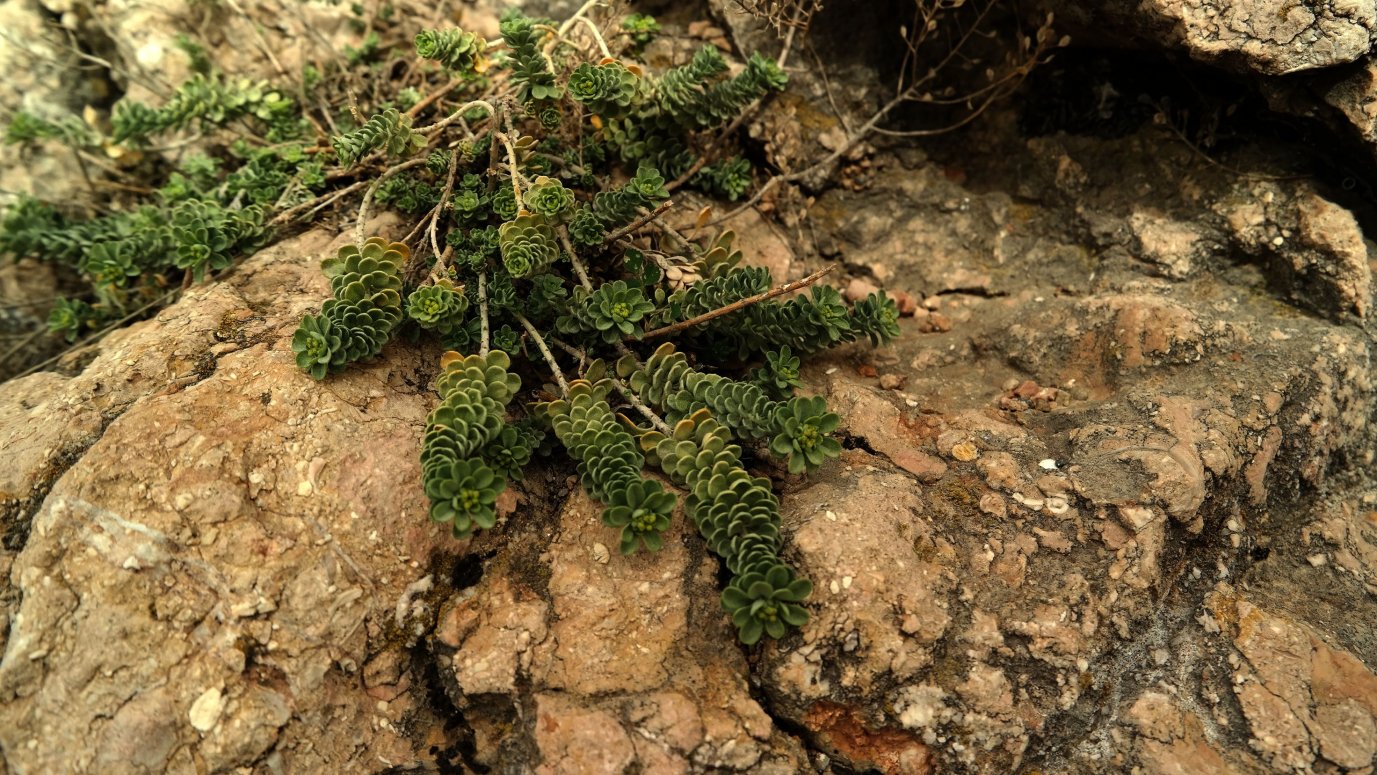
{"x":1263,"y":37}
{"x":1354,"y":95}
{"x":144,"y":34}
{"x":1301,"y":697}
{"x":208,"y":609}
{"x":572,"y":739}
{"x":907,"y":305}
{"x":890,"y":751}
{"x":206,"y":710}
{"x":860,"y":621}
{"x":1175,"y":247}
{"x":630,"y":661}
{"x":858,"y":289}
{"x":1314,"y":245}
{"x":1271,"y":36}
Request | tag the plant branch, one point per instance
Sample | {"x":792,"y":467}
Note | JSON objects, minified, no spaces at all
{"x":483,"y":312}
{"x":444,"y":199}
{"x":318,"y":203}
{"x":511,"y":161}
{"x":646,"y":217}
{"x":545,"y":351}
{"x":583,"y":9}
{"x":100,"y":334}
{"x":574,"y":260}
{"x":457,"y":115}
{"x":627,"y":393}
{"x":597,"y":36}
{"x":743,"y":303}
{"x":698,"y":164}
{"x":433,"y":96}
{"x":373,"y":189}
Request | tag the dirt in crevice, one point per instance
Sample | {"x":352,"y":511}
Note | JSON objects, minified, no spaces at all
{"x":16,"y":517}
{"x":511,"y":552}
{"x":1172,"y":647}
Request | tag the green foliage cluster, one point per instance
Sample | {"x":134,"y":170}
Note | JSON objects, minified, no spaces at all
{"x":209,"y":210}
{"x":530,"y":71}
{"x":469,"y":452}
{"x":389,"y":131}
{"x":354,"y":325}
{"x":524,"y":193}
{"x":798,"y":429}
{"x":738,"y":515}
{"x":205,"y":101}
{"x":657,"y":126}
{"x":129,"y":258}
{"x":453,"y":48}
{"x":611,"y":210}
{"x":530,"y":267}
{"x":27,"y":128}
{"x":610,"y":463}
{"x":640,"y":28}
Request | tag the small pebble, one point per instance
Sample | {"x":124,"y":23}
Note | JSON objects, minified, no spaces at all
{"x":892,"y":381}
{"x":965,"y":451}
{"x":905,"y":302}
{"x":936,"y":322}
{"x":859,"y":289}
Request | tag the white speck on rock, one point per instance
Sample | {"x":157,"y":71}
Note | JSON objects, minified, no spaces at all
{"x":206,"y":710}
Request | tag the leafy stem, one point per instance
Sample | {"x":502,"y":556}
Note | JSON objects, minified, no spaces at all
{"x":743,"y":303}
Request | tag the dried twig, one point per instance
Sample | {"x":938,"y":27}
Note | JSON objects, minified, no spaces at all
{"x":627,"y":393}
{"x":444,"y":198}
{"x":373,"y":189}
{"x":483,"y":312}
{"x":646,"y":217}
{"x":574,"y":260}
{"x":545,"y":351}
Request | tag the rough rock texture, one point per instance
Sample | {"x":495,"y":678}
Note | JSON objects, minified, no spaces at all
{"x":613,"y":661}
{"x":1105,"y":419}
{"x":199,"y":577}
{"x":1272,"y":36}
{"x":1269,"y":37}
{"x":1309,"y":58}
{"x":1102,"y":509}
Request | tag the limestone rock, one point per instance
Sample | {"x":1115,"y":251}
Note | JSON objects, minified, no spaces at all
{"x":630,"y":662}
{"x":1272,"y":36}
{"x":176,"y":552}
